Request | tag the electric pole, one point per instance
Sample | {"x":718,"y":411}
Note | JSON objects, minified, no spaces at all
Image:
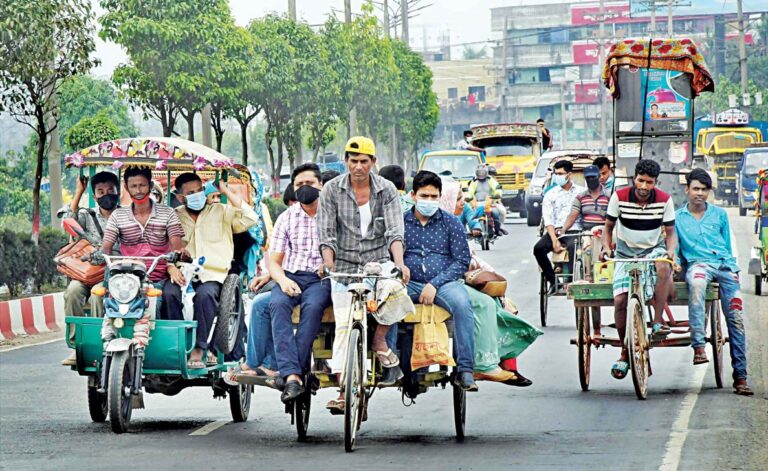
{"x":652,"y":5}
{"x":504,"y":74}
{"x":670,"y":26}
{"x":348,"y":11}
{"x":601,"y":93}
{"x":404,"y":17}
{"x":352,"y":128}
{"x":292,"y":10}
{"x":742,"y":56}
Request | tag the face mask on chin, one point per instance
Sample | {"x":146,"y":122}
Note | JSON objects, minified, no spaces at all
{"x":142,"y":200}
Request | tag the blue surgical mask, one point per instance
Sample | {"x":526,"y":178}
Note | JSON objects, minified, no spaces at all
{"x":558,"y":179}
{"x":196,"y":201}
{"x":609,"y":182}
{"x":427,"y":208}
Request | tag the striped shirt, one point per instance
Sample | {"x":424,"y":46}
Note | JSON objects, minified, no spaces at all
{"x":591,"y":210}
{"x":639,"y":226}
{"x":150,"y":240}
{"x":295,"y":235}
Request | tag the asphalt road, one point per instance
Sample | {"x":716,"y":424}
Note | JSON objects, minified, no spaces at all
{"x":686,"y":423}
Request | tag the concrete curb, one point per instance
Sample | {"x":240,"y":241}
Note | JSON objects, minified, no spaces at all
{"x":30,"y":316}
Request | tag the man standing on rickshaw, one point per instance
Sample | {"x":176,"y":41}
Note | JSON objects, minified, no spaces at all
{"x":209,"y":229}
{"x":360,"y":221}
{"x":640,"y":212}
{"x":707,"y":254}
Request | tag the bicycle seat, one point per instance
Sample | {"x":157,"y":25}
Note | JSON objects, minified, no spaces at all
{"x":359,"y":288}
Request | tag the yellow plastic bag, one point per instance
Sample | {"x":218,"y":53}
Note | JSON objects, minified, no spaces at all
{"x":430,"y":343}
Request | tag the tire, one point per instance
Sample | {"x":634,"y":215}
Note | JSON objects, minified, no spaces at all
{"x":485,"y":242}
{"x":228,"y":316}
{"x":120,"y":380}
{"x":524,"y":214}
{"x":354,"y":389}
{"x":584,"y":344}
{"x":98,"y":405}
{"x":240,"y":402}
{"x":532,"y":219}
{"x":302,"y":406}
{"x":758,"y":285}
{"x":459,"y":411}
{"x":637,"y":346}
{"x":543,"y":301}
{"x":716,"y":340}
{"x":742,"y":211}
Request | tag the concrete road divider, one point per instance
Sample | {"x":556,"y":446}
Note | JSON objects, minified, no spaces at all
{"x":30,"y":316}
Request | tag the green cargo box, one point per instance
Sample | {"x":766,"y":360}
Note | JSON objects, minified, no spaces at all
{"x":170,"y":343}
{"x":601,"y":294}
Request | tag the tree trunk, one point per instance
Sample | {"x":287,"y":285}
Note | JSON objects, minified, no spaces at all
{"x":42,"y":134}
{"x":216,"y":124}
{"x":244,"y":140}
{"x":164,"y":121}
{"x":190,"y":118}
{"x":271,"y":153}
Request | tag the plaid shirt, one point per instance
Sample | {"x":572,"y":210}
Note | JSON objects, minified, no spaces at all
{"x":338,"y":222}
{"x":295,"y":235}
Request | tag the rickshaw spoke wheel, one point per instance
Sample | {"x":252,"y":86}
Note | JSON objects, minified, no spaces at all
{"x":584,"y":343}
{"x":716,"y":340}
{"x":120,"y":380}
{"x":543,"y":301}
{"x":354,"y":388}
{"x":637,"y":345}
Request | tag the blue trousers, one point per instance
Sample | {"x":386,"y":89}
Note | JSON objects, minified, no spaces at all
{"x":454,"y":298}
{"x":261,"y":348}
{"x":294,"y":351}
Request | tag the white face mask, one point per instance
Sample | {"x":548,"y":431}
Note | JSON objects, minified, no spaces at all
{"x":558,"y":179}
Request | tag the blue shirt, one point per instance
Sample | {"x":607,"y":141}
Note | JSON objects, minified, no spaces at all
{"x":436,"y":253}
{"x":707,"y":240}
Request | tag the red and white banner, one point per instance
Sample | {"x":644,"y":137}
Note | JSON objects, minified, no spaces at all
{"x":30,"y":316}
{"x":587,"y":92}
{"x":616,"y":12}
{"x":587,"y":52}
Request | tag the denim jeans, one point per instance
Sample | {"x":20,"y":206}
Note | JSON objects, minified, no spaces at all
{"x":480,"y":211}
{"x":698,"y":276}
{"x":454,"y":298}
{"x":261,"y":348}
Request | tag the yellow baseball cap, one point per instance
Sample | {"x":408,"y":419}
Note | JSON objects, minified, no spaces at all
{"x":361,"y":145}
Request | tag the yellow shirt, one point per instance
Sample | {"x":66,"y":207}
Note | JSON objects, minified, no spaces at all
{"x":211,"y":236}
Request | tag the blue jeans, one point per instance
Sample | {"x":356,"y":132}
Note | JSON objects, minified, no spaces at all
{"x":697,"y":277}
{"x":261,"y":348}
{"x":480,"y":211}
{"x":454,"y":298}
{"x":294,"y":351}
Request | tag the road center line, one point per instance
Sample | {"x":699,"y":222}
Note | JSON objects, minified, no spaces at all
{"x":679,"y":431}
{"x":209,"y":427}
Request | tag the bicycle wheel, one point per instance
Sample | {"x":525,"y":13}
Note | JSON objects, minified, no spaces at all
{"x":584,"y":344}
{"x":716,"y":340}
{"x":354,"y":388}
{"x":459,"y":411}
{"x":543,"y":301}
{"x":302,"y":405}
{"x":637,"y":346}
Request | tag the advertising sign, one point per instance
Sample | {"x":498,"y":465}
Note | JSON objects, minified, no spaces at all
{"x":586,"y":52}
{"x":642,"y":8}
{"x":663,"y":102}
{"x":590,"y":14}
{"x":587,"y":92}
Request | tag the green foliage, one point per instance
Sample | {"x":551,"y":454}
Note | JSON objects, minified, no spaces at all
{"x":275,"y":206}
{"x":16,"y":194}
{"x":51,"y":241}
{"x":90,"y":131}
{"x":471,"y":53}
{"x":417,"y":110}
{"x":23,"y":264}
{"x":718,"y":101}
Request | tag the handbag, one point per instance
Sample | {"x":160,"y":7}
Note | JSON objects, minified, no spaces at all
{"x":486,"y":281}
{"x":430,"y":343}
{"x":72,"y":261}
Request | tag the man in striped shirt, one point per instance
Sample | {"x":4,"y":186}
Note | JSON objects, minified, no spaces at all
{"x":639,"y":212}
{"x":145,"y":229}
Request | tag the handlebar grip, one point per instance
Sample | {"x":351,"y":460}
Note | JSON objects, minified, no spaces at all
{"x":398,"y":272}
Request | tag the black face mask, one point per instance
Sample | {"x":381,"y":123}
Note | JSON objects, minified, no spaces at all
{"x":593,"y":183}
{"x":107,"y":202}
{"x":307,"y":194}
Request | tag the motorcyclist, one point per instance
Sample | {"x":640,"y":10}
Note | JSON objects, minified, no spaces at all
{"x":482,"y":187}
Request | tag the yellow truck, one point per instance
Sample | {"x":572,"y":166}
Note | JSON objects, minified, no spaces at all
{"x":728,"y":121}
{"x":724,"y":156}
{"x":512,"y":148}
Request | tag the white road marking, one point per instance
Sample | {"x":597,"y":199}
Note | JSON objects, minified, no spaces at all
{"x":679,"y":432}
{"x":19,"y":347}
{"x":512,"y":272}
{"x":208,"y":428}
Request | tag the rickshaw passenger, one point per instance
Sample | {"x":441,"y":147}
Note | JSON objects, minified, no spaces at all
{"x":606,"y":173}
{"x":104,"y":186}
{"x":329,"y":175}
{"x":209,"y":229}
{"x":482,"y":187}
{"x":294,"y":263}
{"x":396,"y":175}
{"x":639,"y":212}
{"x":556,"y":207}
{"x":145,"y":229}
{"x":705,"y":247}
{"x":361,"y":221}
{"x":437,"y":254}
{"x":453,"y":197}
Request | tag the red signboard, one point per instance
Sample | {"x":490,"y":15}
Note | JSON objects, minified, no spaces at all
{"x":590,"y":14}
{"x":585,"y":52}
{"x":587,"y":92}
{"x":749,"y":38}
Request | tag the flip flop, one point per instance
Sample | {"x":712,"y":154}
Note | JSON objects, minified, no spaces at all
{"x":335,"y":406}
{"x":660,"y":330}
{"x":195,"y":365}
{"x":211,"y":360}
{"x":742,"y":390}
{"x":619,"y":369}
{"x":388,"y":359}
{"x":700,"y":358}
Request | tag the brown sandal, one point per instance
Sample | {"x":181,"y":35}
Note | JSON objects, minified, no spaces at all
{"x":700,"y":358}
{"x":335,"y":406}
{"x":742,"y":389}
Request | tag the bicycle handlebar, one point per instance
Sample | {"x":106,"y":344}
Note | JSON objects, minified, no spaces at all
{"x":646,"y":260}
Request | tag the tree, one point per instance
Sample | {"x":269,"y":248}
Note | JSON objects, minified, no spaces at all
{"x":471,"y":53}
{"x":716,"y":102}
{"x":42,"y":43}
{"x":91,"y":131}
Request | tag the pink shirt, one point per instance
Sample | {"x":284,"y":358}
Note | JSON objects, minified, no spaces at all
{"x":295,"y":235}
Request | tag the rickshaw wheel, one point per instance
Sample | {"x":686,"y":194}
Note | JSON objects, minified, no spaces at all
{"x":228,"y":316}
{"x":98,"y":405}
{"x":354,"y":389}
{"x":584,"y":343}
{"x":459,"y":411}
{"x":302,"y":405}
{"x":716,"y":340}
{"x":240,"y":402}
{"x":637,"y":346}
{"x":758,"y":285}
{"x":543,"y":300}
{"x":119,"y":393}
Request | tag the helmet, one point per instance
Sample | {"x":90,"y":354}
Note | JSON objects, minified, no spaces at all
{"x":361,"y":145}
{"x":492,"y":170}
{"x":481,"y":172}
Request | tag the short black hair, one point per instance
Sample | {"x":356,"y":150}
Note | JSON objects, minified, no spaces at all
{"x":601,"y":162}
{"x":701,"y":175}
{"x":347,"y":153}
{"x":540,"y":120}
{"x":131,"y":172}
{"x":307,"y":167}
{"x":184,"y":178}
{"x":427,"y":178}
{"x":104,"y":177}
{"x":566,"y":165}
{"x":289,"y":195}
{"x":467,"y":132}
{"x":395,"y":174}
{"x":647,"y":167}
{"x":329,"y":175}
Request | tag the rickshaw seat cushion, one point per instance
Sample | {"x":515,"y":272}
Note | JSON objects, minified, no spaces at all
{"x":422,"y":312}
{"x":561,"y":257}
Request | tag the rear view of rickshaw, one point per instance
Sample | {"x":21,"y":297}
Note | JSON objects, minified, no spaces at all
{"x":758,"y":262}
{"x":130,"y":351}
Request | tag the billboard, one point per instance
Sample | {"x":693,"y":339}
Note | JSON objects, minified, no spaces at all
{"x":587,"y":52}
{"x":641,"y":8}
{"x":663,"y":101}
{"x":590,"y":14}
{"x":587,"y":92}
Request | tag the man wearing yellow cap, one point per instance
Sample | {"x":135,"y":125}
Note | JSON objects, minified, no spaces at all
{"x":360,"y":220}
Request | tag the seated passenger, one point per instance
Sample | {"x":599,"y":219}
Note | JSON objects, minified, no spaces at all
{"x":329,"y":175}
{"x":556,"y":207}
{"x":209,"y":229}
{"x":483,"y":187}
{"x":452,"y":197}
{"x":437,"y":255}
{"x":705,"y":247}
{"x":396,"y":175}
{"x":294,"y":263}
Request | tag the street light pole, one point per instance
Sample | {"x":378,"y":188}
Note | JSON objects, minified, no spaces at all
{"x":601,"y":94}
{"x":652,"y":4}
{"x":742,"y":55}
{"x":404,"y":21}
{"x":670,"y":26}
{"x":292,"y":10}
